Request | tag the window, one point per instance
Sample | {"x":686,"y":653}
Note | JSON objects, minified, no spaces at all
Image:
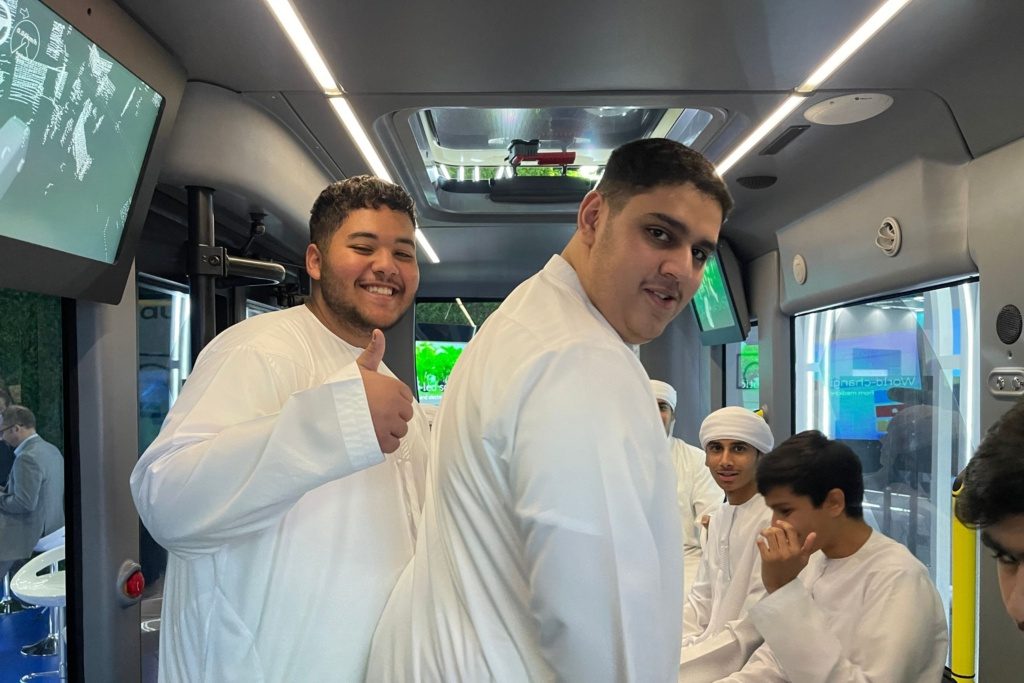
{"x":897,"y":381}
{"x":742,"y":373}
{"x":443,"y":328}
{"x":32,"y":374}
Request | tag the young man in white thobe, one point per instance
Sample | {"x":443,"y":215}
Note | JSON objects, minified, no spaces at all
{"x":696,"y":490}
{"x":863,"y":609}
{"x":550,"y":543}
{"x":716,"y":639}
{"x":992,"y":499}
{"x":286,"y":524}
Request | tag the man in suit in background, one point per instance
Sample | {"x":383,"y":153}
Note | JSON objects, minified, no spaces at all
{"x":32,"y":503}
{"x":6,"y":452}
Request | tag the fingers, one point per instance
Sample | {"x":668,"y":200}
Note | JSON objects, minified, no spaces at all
{"x":808,"y":546}
{"x":372,"y":355}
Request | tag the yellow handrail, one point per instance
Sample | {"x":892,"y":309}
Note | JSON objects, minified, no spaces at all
{"x":965,"y":581}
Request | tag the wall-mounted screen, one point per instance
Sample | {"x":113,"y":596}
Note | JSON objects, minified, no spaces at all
{"x":75,"y":127}
{"x":434,"y":363}
{"x":718,"y":304}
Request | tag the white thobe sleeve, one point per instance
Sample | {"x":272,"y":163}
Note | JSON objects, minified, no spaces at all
{"x":762,"y":667}
{"x":239,"y":449}
{"x":720,"y":655}
{"x":807,"y":651}
{"x":595,"y":500}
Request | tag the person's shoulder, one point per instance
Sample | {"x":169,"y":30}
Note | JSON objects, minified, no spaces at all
{"x":277,"y":333}
{"x":884,"y":557}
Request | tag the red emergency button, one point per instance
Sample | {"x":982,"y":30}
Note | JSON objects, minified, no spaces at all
{"x":134,"y":585}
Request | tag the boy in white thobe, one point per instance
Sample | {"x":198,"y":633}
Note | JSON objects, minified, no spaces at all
{"x":864,"y":609}
{"x":696,"y":490}
{"x":286,"y":524}
{"x":550,"y":543}
{"x":716,"y":639}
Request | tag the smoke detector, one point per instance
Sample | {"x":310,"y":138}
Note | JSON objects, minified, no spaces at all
{"x":840,"y":111}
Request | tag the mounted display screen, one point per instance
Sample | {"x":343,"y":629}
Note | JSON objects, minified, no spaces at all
{"x":718,"y":305}
{"x":75,"y":128}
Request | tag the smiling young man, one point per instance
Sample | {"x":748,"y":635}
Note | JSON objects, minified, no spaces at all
{"x":550,"y":543}
{"x":286,"y":524}
{"x":716,"y":640}
{"x":992,"y":499}
{"x":863,"y":609}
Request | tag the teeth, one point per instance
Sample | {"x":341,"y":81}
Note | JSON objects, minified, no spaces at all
{"x":373,"y":289}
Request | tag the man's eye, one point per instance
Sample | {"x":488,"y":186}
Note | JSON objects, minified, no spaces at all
{"x":1007,"y":560}
{"x":404,"y":256}
{"x":362,"y":249}
{"x":700,"y":255}
{"x":659,"y":234}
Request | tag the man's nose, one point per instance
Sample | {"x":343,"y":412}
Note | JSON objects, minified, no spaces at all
{"x":384,"y":263}
{"x":1015,"y":606}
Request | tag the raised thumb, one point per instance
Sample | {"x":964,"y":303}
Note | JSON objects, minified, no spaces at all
{"x":373,"y":353}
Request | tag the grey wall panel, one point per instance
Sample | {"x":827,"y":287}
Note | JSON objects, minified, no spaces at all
{"x":996,"y":241}
{"x":774,"y":343}
{"x":678,"y":358}
{"x":108,"y":448}
{"x":929,"y":200}
{"x":225,"y":141}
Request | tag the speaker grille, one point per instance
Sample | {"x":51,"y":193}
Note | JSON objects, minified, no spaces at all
{"x":1008,"y":324}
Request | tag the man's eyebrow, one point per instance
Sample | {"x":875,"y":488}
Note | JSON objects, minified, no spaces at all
{"x":996,"y":547}
{"x":373,"y":236}
{"x":682,"y":227}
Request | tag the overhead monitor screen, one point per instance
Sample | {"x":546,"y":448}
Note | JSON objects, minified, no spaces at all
{"x":75,"y":128}
{"x":712,"y":302}
{"x":434,"y":362}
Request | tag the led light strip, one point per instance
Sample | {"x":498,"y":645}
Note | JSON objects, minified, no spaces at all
{"x":303,"y":43}
{"x":465,"y":312}
{"x":839,"y":56}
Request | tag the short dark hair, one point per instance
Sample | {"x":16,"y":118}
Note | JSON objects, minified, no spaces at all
{"x":341,"y":198}
{"x":642,"y":165}
{"x":19,"y":415}
{"x":993,"y":482}
{"x":811,"y":464}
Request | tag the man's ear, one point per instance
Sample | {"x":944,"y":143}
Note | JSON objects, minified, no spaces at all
{"x":587,"y":218}
{"x":835,"y":503}
{"x":313,"y":261}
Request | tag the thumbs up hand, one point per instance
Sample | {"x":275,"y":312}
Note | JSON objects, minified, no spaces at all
{"x":389,"y":401}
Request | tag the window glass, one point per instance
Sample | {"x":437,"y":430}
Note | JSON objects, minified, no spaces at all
{"x":31,"y":375}
{"x":443,"y":328}
{"x":743,"y":384}
{"x":897,"y":380}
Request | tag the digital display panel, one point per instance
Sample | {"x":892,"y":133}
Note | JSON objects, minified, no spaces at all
{"x":712,"y":302}
{"x":75,"y":128}
{"x":434,"y":363}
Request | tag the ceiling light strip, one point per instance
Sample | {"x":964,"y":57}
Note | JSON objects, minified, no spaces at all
{"x":854,"y":42}
{"x":359,"y":136}
{"x":296,"y":31}
{"x":422,"y":239}
{"x":784,"y":110}
{"x":839,"y":56}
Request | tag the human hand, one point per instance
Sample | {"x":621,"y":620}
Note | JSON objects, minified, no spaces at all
{"x":389,"y":400}
{"x":705,"y":520}
{"x":782,"y":555}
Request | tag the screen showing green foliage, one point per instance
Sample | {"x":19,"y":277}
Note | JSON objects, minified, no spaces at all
{"x":75,"y":128}
{"x":434,"y":362}
{"x":712,"y":303}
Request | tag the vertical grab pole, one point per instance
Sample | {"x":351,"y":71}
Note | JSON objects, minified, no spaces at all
{"x":963,"y":629}
{"x":202,"y":287}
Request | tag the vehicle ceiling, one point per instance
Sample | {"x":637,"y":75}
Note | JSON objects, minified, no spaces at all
{"x":952,"y":67}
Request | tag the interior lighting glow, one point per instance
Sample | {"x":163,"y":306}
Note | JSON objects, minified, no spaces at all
{"x":476,"y":173}
{"x":839,"y":56}
{"x":461,"y":175}
{"x":854,"y":42}
{"x":358,"y":135}
{"x":296,"y":31}
{"x":783,"y":110}
{"x":425,"y":245}
{"x":465,"y":312}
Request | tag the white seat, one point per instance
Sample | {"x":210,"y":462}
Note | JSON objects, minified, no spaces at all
{"x":47,"y":590}
{"x":50,"y":541}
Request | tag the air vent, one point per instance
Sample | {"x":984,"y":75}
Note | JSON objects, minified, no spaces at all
{"x":787,"y":136}
{"x":890,"y":237}
{"x":757,"y":182}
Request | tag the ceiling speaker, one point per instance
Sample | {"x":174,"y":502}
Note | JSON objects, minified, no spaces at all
{"x":757,"y":182}
{"x":1008,"y":324}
